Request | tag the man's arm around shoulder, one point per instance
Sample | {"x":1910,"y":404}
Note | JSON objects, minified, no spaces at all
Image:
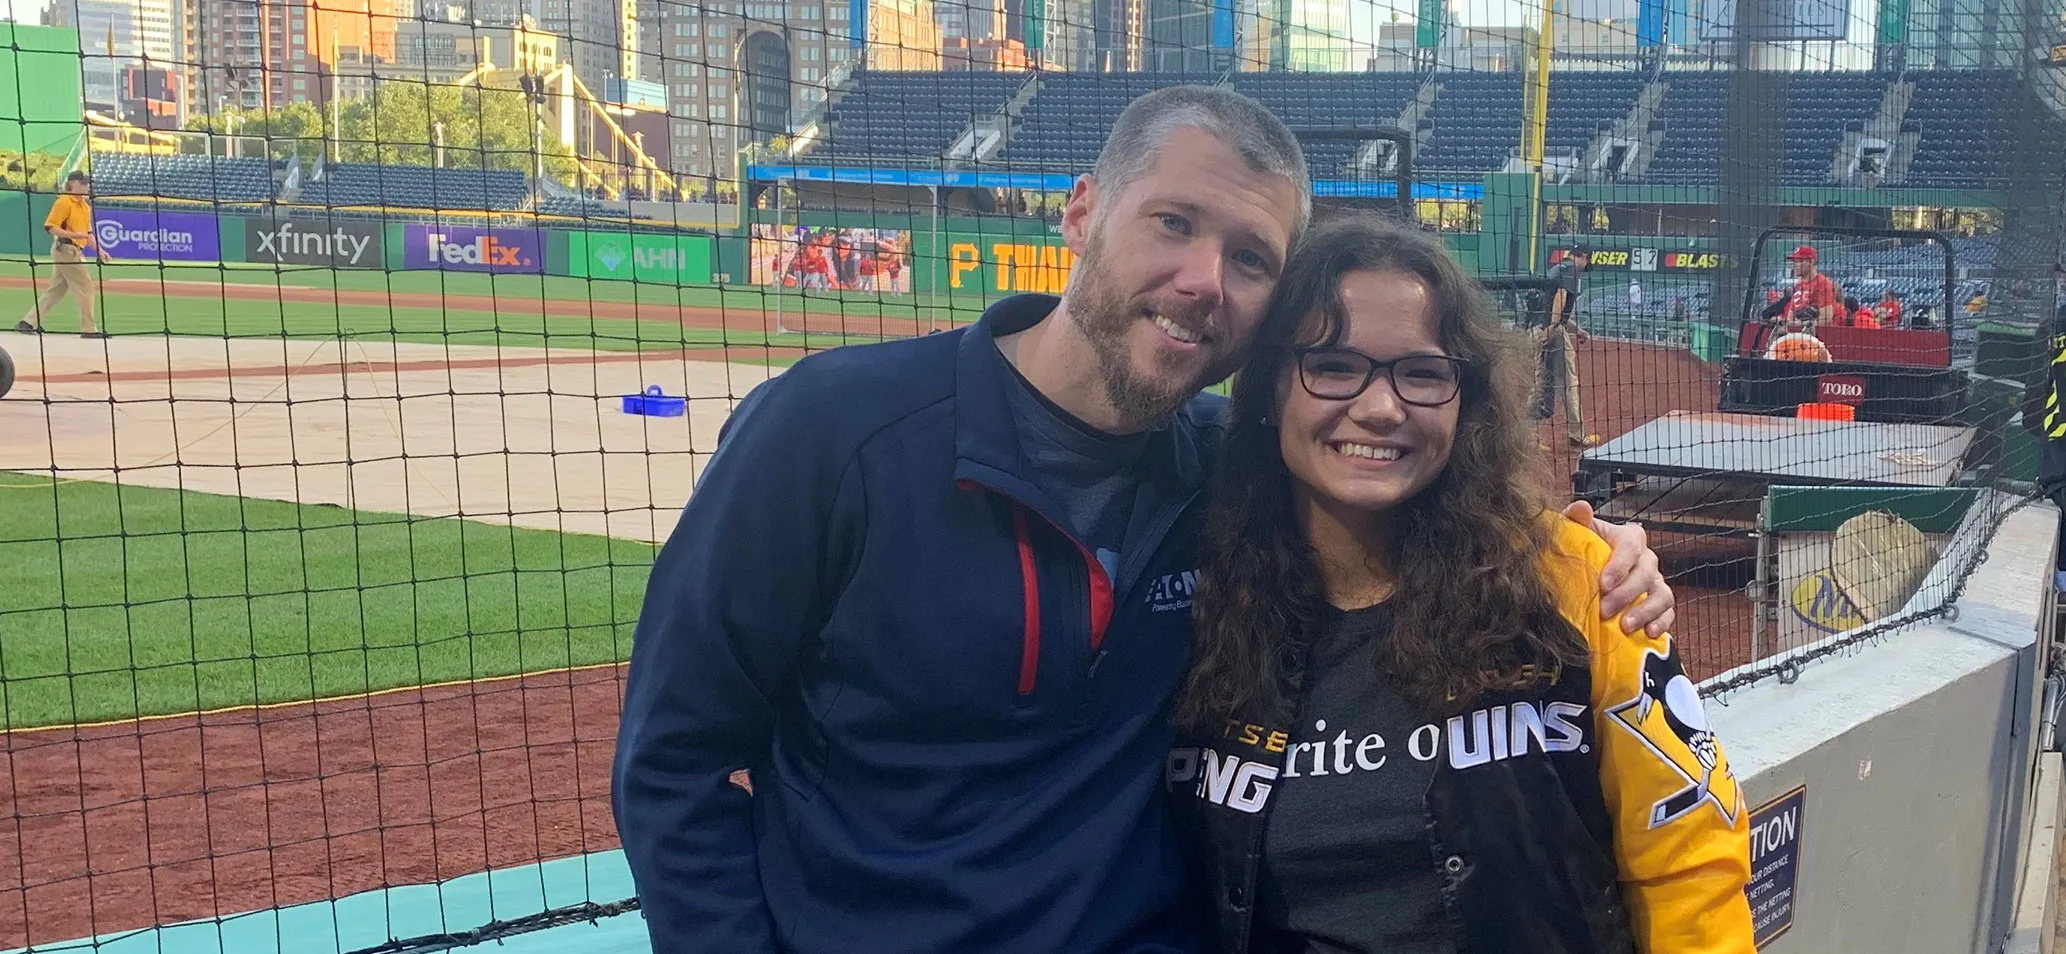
{"x":741,"y":586}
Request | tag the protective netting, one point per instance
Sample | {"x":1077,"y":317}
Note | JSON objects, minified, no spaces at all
{"x":318,"y":571}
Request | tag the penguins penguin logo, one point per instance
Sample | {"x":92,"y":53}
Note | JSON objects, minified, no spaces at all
{"x":1667,"y":715}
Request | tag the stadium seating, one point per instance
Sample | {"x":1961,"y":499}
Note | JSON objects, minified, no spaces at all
{"x":417,"y":187}
{"x":1477,"y":119}
{"x":1962,"y":117}
{"x":1066,"y":123}
{"x":1579,"y":101}
{"x":1818,"y":108}
{"x":208,"y":178}
{"x":585,"y":208}
{"x":1475,"y":122}
{"x":902,"y":116}
{"x":1695,"y":111}
{"x":1320,"y":100}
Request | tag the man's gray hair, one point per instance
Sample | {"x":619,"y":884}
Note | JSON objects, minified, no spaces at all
{"x":1246,"y":126}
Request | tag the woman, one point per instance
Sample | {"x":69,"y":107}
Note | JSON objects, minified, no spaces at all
{"x":1414,"y":732}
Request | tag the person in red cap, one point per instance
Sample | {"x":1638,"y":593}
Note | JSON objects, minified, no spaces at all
{"x":1811,"y":288}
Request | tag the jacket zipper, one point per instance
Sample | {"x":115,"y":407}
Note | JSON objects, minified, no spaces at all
{"x":1029,"y":583}
{"x":1029,"y":586}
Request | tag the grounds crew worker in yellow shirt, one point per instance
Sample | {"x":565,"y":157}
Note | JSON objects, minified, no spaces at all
{"x":70,"y":224}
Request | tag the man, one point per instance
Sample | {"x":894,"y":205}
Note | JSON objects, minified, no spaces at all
{"x":70,"y":224}
{"x":1560,"y":340}
{"x":933,"y":595}
{"x":1811,"y":288}
{"x":1889,"y":311}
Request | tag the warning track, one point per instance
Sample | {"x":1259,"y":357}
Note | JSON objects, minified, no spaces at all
{"x":689,"y":316}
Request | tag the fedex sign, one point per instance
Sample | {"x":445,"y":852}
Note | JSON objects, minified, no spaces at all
{"x":463,"y":249}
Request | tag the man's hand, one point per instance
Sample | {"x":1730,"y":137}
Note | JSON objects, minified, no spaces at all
{"x":1579,"y":335}
{"x":102,"y":254}
{"x":1631,"y":580}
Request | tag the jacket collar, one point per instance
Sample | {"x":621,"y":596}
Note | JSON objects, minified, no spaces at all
{"x":986,"y":436}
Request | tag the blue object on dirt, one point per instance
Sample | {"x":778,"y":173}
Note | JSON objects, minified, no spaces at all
{"x":655,"y":403}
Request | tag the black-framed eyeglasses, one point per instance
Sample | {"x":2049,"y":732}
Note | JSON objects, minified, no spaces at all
{"x":1337,"y":374}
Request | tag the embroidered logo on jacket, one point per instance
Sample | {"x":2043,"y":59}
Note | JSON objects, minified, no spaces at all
{"x":1172,"y":592}
{"x":1667,"y":716}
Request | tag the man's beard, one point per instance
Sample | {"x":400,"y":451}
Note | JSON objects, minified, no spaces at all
{"x":1105,"y":317}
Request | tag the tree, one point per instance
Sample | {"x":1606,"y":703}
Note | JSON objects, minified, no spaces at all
{"x":483,"y":129}
{"x":291,"y":129}
{"x":35,"y":171}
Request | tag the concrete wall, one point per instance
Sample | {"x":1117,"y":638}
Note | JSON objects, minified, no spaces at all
{"x":1916,"y":754}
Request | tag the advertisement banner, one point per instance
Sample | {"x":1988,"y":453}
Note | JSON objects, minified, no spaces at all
{"x":305,"y":241}
{"x":1427,"y":27}
{"x":1651,"y":260}
{"x":667,"y":259}
{"x":1650,"y":15}
{"x":157,"y":236}
{"x":1811,"y":604}
{"x":1893,"y":22}
{"x":829,"y":259}
{"x":1222,"y":24}
{"x":461,"y":248}
{"x":993,"y":264}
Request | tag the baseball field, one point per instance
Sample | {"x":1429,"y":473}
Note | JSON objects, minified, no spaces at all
{"x":314,"y":582}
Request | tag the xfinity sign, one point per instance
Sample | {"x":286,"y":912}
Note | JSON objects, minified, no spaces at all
{"x":456,"y":248}
{"x":314,"y":242}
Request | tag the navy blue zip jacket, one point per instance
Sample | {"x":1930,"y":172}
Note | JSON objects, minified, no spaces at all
{"x":954,"y":719}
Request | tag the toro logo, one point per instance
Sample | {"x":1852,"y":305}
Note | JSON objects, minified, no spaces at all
{"x":1841,"y":389}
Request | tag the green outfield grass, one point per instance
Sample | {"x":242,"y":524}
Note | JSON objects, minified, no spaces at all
{"x":748,"y":300}
{"x":118,"y":602}
{"x":516,"y":323}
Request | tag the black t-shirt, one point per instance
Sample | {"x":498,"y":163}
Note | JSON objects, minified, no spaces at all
{"x":1565,"y":274}
{"x":1090,"y":474}
{"x":1347,"y":867}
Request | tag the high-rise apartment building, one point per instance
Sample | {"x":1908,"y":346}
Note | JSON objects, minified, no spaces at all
{"x":442,"y":52}
{"x":262,"y":53}
{"x":115,"y":35}
{"x":1180,"y":35}
{"x":1119,"y":32}
{"x":972,"y":20}
{"x":902,"y":35}
{"x":738,"y":73}
{"x":601,"y":36}
{"x":1305,"y":35}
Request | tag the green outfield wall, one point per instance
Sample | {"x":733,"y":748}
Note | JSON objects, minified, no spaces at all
{"x":39,"y":89}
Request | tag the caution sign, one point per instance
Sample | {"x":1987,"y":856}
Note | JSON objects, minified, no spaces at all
{"x":1775,"y":862}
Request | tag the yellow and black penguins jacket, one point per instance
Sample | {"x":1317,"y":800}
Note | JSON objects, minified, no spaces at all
{"x":2042,"y":415}
{"x":1607,"y":820}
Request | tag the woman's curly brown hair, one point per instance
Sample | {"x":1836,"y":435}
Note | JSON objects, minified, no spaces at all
{"x":1471,"y":610}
